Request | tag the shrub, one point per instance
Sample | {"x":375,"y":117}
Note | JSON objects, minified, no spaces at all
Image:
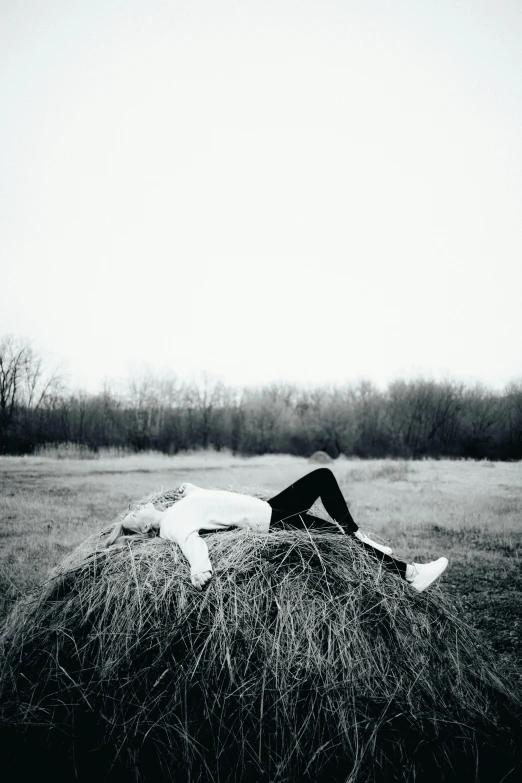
{"x":320,"y":456}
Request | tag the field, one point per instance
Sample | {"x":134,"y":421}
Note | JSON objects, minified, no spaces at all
{"x":468,"y":511}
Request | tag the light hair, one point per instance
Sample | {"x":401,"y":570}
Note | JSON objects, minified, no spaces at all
{"x":116,"y":533}
{"x":124,"y":531}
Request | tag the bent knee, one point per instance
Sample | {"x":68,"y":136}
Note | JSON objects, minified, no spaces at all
{"x":322,"y":474}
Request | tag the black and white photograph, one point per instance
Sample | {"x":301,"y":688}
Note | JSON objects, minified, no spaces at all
{"x":261,"y":391}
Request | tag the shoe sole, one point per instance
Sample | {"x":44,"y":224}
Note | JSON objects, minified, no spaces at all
{"x":429,"y":580}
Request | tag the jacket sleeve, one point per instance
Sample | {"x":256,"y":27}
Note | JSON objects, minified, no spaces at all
{"x":195,"y":550}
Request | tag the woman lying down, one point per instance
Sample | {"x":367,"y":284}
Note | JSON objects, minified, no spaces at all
{"x":212,"y":509}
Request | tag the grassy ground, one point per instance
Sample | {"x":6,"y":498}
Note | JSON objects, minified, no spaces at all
{"x":468,"y":511}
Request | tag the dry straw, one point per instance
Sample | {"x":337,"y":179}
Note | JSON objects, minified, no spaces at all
{"x":302,"y":661}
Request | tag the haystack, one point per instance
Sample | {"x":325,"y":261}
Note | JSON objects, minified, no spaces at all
{"x":302,"y":661}
{"x":321,"y":457}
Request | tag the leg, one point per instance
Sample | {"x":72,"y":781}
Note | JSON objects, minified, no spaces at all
{"x":309,"y":521}
{"x":306,"y":521}
{"x":290,"y":507}
{"x":389,"y":563}
{"x":302,"y":494}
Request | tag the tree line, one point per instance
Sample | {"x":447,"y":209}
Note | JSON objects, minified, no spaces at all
{"x":409,"y":418}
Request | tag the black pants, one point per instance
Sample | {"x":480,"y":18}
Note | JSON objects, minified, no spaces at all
{"x":290,"y":508}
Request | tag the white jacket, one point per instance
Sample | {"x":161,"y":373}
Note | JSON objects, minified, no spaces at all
{"x":210,"y":509}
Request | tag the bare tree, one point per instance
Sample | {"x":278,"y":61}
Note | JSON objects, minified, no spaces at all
{"x":206,"y":396}
{"x":513,"y":404}
{"x":26,"y":383}
{"x":14,"y":356}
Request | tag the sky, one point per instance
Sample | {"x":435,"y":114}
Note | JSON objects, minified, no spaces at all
{"x":313,"y":191}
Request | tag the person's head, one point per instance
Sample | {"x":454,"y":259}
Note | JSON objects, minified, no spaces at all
{"x":142,"y":519}
{"x":141,"y":522}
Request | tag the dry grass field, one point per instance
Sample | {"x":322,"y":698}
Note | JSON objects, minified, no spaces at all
{"x":468,"y":511}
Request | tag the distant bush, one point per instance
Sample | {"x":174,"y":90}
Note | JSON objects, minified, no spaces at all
{"x":79,"y":451}
{"x":393,"y":470}
{"x":321,"y":457}
{"x":65,"y":451}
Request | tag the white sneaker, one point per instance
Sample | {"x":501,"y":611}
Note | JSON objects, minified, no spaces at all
{"x":426,"y":573}
{"x":387,"y":550}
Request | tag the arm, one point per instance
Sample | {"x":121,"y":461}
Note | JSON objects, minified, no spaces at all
{"x":196,"y":552}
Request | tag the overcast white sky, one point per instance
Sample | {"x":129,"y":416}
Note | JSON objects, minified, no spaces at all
{"x":307,"y":190}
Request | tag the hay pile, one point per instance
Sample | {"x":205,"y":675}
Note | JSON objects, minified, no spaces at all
{"x":302,"y":661}
{"x":321,"y":457}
